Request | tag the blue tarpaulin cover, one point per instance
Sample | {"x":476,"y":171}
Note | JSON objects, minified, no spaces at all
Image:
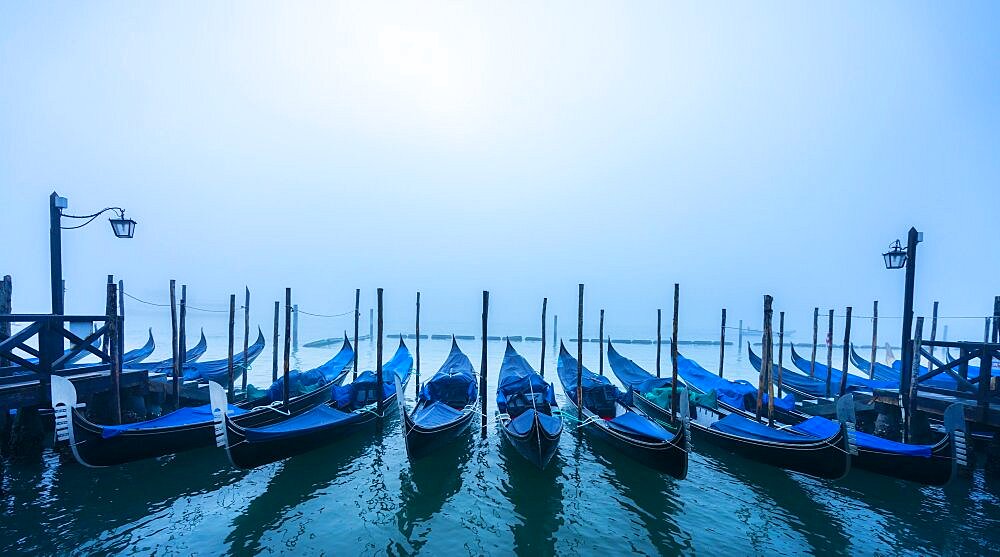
{"x":738,"y":394}
{"x":435,"y":414}
{"x":630,"y":374}
{"x":518,"y":378}
{"x":735,"y":424}
{"x":821,"y":427}
{"x":307,"y":381}
{"x":522,"y":423}
{"x":632,"y":423}
{"x":184,"y":416}
{"x":320,"y":417}
{"x":599,"y":395}
{"x":453,"y":384}
{"x":360,"y":392}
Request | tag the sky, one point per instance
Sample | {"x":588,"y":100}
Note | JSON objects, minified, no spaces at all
{"x":738,"y":149}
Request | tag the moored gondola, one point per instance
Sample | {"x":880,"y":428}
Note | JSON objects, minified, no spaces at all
{"x":934,"y":464}
{"x":609,"y":416}
{"x":218,"y":370}
{"x":187,"y":428}
{"x":164,"y":366}
{"x":827,"y":456}
{"x":352,"y":409}
{"x":529,"y":417}
{"x":445,"y":406}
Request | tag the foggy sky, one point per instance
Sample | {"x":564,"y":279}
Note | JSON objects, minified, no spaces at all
{"x":737,"y":149}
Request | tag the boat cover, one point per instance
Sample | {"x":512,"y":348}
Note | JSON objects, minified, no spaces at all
{"x":821,"y":427}
{"x":518,"y":378}
{"x":737,"y":425}
{"x":738,"y":394}
{"x":521,"y":425}
{"x":218,"y":370}
{"x":662,"y":398}
{"x":318,"y":418}
{"x":852,"y":380}
{"x":435,"y":414}
{"x":453,"y":384}
{"x":599,"y":395}
{"x":301,"y":382}
{"x":185,"y":416}
{"x":631,"y":423}
{"x":631,"y":375}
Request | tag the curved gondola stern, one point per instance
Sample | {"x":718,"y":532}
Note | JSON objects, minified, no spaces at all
{"x":954,"y":423}
{"x":64,"y":400}
{"x":220,"y":405}
{"x":401,"y":403}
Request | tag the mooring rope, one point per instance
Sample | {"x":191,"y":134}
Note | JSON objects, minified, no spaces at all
{"x":188,"y":306}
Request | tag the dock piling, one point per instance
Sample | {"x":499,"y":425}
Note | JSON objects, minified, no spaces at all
{"x":600,"y":345}
{"x":659,"y":340}
{"x":288,"y":345}
{"x":232,"y":340}
{"x":416,"y":385}
{"x":6,"y":308}
{"x":545,"y":303}
{"x":579,"y":357}
{"x":246,"y":339}
{"x":274,"y":344}
{"x":674,"y":392}
{"x":913,"y":372}
{"x":483,"y":363}
{"x":357,"y":317}
{"x":380,"y":379}
{"x":739,"y":342}
{"x":829,"y":352}
{"x":812,"y":361}
{"x":781,"y":349}
{"x":934,"y":319}
{"x":847,"y":352}
{"x":769,"y":350}
{"x":871,"y":366}
{"x":182,"y":329}
{"x":722,"y":343}
{"x":175,"y":358}
{"x":114,"y":350}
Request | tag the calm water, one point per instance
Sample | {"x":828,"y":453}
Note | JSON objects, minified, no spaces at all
{"x":479,"y":498}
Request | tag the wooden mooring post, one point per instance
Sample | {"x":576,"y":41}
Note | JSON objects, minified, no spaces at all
{"x":121,"y":315}
{"x":6,"y":308}
{"x":914,"y":372}
{"x":380,"y":380}
{"x":675,"y":398}
{"x":812,"y":361}
{"x":175,"y":357}
{"x":483,"y":373}
{"x":579,"y":356}
{"x":600,"y":345}
{"x":357,"y":317}
{"x":829,"y":353}
{"x":768,"y":349}
{"x":232,"y":340}
{"x":847,"y":352}
{"x":545,"y":304}
{"x":739,"y":342}
{"x":182,"y":329}
{"x":295,"y":326}
{"x":114,"y":325}
{"x":274,"y":344}
{"x":722,"y":343}
{"x":934,"y":320}
{"x":871,"y":366}
{"x":288,"y":345}
{"x":416,"y":386}
{"x":781,"y":349}
{"x":659,"y":340}
{"x":246,"y":340}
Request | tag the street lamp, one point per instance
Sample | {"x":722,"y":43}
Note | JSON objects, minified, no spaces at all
{"x":897,"y":258}
{"x":121,"y":226}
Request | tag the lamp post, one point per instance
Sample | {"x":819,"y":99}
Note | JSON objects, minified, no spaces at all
{"x":897,"y":258}
{"x":121,"y":226}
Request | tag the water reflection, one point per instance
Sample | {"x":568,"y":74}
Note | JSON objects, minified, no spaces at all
{"x":536,"y":497}
{"x":426,"y":485}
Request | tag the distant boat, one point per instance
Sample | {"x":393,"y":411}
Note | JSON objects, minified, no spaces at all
{"x":352,"y":408}
{"x":609,"y":416}
{"x":529,"y":416}
{"x":187,"y":428}
{"x":445,"y":406}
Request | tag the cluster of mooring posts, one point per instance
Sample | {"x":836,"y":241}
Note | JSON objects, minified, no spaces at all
{"x":120,"y":389}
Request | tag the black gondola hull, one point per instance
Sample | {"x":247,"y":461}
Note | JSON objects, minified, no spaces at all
{"x":670,"y":457}
{"x":421,"y":441}
{"x":537,"y":445}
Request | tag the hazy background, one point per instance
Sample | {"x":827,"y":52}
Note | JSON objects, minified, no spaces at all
{"x":737,"y":149}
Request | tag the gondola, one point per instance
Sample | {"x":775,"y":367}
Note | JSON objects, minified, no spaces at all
{"x":141,"y":353}
{"x":164,"y":366}
{"x":854,"y":382}
{"x":187,"y":428}
{"x":445,"y":406}
{"x":799,"y":382}
{"x":218,"y":370}
{"x":823,"y":456}
{"x":608,"y":415}
{"x":352,"y":408}
{"x":925,"y":464}
{"x":529,"y":416}
{"x":892,"y":374}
